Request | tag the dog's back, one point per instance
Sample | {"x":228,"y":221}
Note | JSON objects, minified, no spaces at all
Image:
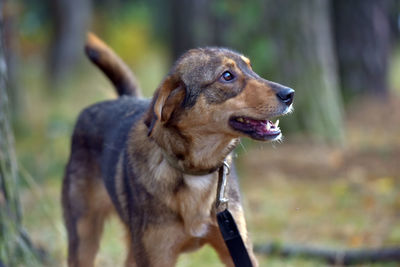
{"x":102,"y":129}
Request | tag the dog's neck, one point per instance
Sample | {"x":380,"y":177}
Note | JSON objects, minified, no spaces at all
{"x":195,"y":155}
{"x":199,"y":161}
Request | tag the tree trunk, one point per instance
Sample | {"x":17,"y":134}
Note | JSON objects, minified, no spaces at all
{"x":71,"y":20}
{"x":193,"y":24}
{"x":305,"y":60}
{"x":15,"y":247}
{"x":11,"y":45}
{"x":362,"y":36}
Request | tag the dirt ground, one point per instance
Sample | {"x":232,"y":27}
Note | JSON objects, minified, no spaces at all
{"x":309,"y":193}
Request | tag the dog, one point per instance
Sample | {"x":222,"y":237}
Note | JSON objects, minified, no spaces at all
{"x":155,"y":162}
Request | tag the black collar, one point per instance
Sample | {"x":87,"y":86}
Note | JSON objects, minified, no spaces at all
{"x":174,"y":163}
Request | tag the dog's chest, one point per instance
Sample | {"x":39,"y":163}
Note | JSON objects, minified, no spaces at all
{"x":197,"y":206}
{"x":199,"y":183}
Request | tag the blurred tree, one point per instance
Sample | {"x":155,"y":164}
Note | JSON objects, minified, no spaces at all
{"x":11,"y":10}
{"x":15,"y":246}
{"x":193,"y":24}
{"x":362,"y":37}
{"x":305,"y":60}
{"x":71,"y":20}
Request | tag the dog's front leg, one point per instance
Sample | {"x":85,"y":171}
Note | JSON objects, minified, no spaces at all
{"x":161,"y":245}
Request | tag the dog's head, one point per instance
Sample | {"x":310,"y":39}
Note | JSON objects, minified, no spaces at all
{"x":215,"y":91}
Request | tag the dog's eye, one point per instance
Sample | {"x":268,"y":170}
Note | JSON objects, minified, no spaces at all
{"x":227,"y":76}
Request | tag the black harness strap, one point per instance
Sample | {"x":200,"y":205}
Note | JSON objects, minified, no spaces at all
{"x":227,"y":224}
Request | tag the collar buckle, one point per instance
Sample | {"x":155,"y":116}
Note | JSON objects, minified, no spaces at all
{"x":222,"y":200}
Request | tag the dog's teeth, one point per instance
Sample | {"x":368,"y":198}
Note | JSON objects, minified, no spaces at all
{"x":268,"y":126}
{"x":277,"y":123}
{"x":240,"y":119}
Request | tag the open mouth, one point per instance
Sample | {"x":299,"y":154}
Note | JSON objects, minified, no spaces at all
{"x":263,"y":130}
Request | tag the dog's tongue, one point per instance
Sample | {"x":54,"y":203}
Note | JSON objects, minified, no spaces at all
{"x":264,"y":127}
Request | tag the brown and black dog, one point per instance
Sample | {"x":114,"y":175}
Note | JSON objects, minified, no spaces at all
{"x":155,"y":162}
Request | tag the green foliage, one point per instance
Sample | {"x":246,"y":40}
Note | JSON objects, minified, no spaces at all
{"x":394,"y":77}
{"x":245,"y":31}
{"x":129,"y":32}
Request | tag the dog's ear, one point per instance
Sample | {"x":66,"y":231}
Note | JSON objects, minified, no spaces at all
{"x":168,"y":97}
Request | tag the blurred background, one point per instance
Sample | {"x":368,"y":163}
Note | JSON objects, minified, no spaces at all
{"x":333,"y":183}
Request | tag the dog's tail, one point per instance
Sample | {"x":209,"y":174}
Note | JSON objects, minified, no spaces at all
{"x":112,"y":66}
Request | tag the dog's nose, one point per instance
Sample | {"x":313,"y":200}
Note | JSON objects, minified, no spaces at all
{"x":286,"y":95}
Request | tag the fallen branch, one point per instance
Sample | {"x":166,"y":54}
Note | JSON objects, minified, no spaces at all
{"x":332,"y":256}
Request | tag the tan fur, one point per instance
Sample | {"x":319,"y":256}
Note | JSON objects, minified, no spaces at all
{"x":119,"y":187}
{"x":245,"y":59}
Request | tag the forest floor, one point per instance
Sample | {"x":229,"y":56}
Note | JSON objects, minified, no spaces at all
{"x":304,"y":193}
{"x":296,"y":192}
